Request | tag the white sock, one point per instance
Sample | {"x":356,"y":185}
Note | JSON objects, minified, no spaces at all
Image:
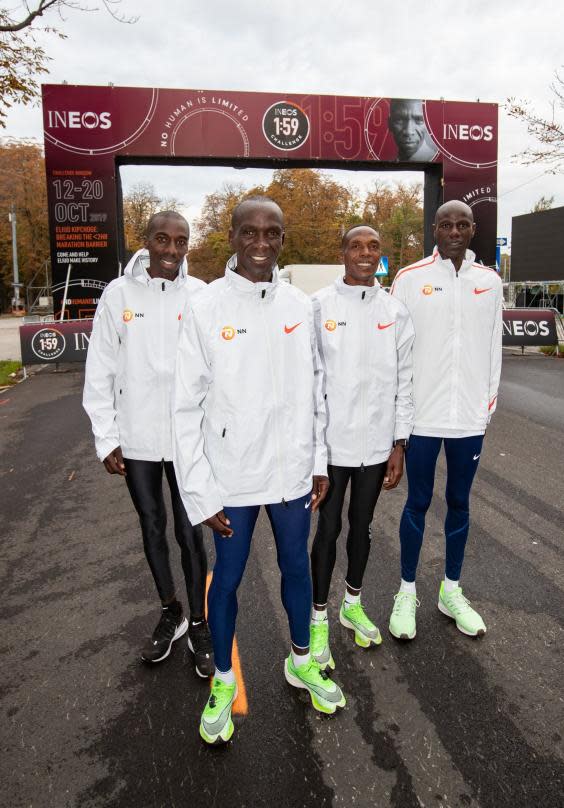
{"x":228,"y":677}
{"x":450,"y":585}
{"x":319,"y":614}
{"x":300,"y":659}
{"x":408,"y":586}
{"x":350,"y":599}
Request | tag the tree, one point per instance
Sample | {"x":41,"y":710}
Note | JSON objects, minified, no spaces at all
{"x":22,"y":183}
{"x":139,"y":205}
{"x":548,"y":132}
{"x":544,"y":203}
{"x":22,"y":60}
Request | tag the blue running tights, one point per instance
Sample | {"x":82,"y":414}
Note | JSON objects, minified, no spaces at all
{"x":462,"y":458}
{"x":290,"y":525}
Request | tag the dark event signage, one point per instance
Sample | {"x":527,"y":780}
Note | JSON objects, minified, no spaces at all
{"x":88,"y":130}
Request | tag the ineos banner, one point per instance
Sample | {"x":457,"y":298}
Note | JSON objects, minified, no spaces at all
{"x":55,"y":342}
{"x":529,"y":327}
{"x":88,"y":129}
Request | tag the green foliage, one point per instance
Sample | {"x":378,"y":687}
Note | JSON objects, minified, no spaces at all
{"x":8,"y":366}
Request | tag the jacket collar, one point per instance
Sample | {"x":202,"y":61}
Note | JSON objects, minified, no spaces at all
{"x":356,"y":292}
{"x":469,"y":259}
{"x":240,"y":285}
{"x":138,"y":265}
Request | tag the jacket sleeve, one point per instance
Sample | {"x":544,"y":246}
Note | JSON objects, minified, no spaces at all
{"x":193,"y":376}
{"x":405,"y":334}
{"x":101,"y":366}
{"x":320,"y":412}
{"x":496,"y":352}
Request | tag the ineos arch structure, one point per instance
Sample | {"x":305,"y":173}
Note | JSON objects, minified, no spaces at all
{"x":89,"y":131}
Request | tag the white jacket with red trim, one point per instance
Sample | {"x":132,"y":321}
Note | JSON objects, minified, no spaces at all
{"x":365,"y":339}
{"x":457,"y":318}
{"x":130,"y":361}
{"x":249,"y":415}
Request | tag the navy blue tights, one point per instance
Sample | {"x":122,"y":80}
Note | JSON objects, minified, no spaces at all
{"x":290,"y":525}
{"x":462,"y":458}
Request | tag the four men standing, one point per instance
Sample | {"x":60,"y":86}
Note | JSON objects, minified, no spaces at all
{"x":280,"y":401}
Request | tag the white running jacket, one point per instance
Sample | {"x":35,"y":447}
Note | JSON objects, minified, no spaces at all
{"x":365,"y":339}
{"x":131,"y":358}
{"x":457,"y":350}
{"x":249,"y":415}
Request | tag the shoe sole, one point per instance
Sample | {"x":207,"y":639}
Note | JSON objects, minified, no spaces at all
{"x":180,"y":632}
{"x":402,"y":636}
{"x":198,"y":671}
{"x":443,"y":609}
{"x":319,"y":704}
{"x":360,"y":639}
{"x":226,"y":732}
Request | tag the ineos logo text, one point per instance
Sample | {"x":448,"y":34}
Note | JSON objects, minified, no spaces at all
{"x":465,"y":131}
{"x":66,"y":119}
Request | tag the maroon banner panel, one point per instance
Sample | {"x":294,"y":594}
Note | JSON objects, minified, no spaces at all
{"x":529,"y":327}
{"x":65,"y":341}
{"x":88,"y":129}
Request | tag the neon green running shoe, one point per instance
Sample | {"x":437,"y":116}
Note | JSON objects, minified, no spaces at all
{"x":216,"y":726}
{"x":354,"y":617}
{"x":326,"y":696}
{"x":455,"y":605}
{"x":402,"y":619}
{"x":319,"y":644}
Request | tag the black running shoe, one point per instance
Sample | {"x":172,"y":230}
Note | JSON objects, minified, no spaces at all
{"x":171,"y":626}
{"x":199,"y":642}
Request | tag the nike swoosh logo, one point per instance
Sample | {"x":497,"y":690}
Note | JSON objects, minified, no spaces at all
{"x":306,"y":506}
{"x":288,"y":330}
{"x":475,"y":457}
{"x":382,"y":326}
{"x":481,"y":291}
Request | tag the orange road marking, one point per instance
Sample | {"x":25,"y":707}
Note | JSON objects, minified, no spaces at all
{"x":240,"y":705}
{"x":4,"y":401}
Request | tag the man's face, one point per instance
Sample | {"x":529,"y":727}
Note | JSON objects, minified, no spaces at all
{"x":167,"y":243}
{"x":407,"y":125}
{"x":257,"y":238}
{"x":453,"y":231}
{"x":361,"y":256}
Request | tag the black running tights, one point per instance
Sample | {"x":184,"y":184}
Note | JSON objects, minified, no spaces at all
{"x":366,"y":484}
{"x":144,"y":480}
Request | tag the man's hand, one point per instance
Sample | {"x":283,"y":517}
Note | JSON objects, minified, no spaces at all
{"x":319,"y":492}
{"x":219,"y":524}
{"x":394,"y":469}
{"x":113,"y":463}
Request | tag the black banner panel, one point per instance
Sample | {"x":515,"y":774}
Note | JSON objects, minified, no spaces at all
{"x":537,"y":246}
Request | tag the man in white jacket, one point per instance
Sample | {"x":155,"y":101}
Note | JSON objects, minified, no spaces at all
{"x":249,"y":420}
{"x":365,"y":338}
{"x":456,"y":307}
{"x":127,"y":394}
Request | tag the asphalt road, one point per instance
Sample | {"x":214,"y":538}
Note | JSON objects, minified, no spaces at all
{"x":442,"y":721}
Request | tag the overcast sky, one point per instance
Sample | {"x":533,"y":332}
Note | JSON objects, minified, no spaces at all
{"x":459,"y":51}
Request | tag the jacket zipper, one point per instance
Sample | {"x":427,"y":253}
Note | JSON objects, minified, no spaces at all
{"x":274,"y":395}
{"x":363,"y":386}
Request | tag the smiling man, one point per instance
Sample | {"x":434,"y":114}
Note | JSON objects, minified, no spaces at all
{"x":456,"y":307}
{"x":365,"y":339}
{"x":249,"y":420}
{"x":127,"y":394}
{"x":407,"y":125}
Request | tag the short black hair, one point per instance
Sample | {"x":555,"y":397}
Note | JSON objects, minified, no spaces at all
{"x":356,"y":227}
{"x":164,"y":214}
{"x":260,"y":199}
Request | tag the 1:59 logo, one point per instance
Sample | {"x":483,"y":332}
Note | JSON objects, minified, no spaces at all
{"x":285,"y":125}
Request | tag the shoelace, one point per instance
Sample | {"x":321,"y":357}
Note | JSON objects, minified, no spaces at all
{"x":166,"y":625}
{"x":404,"y":597}
{"x":201,"y":638}
{"x":459,"y":603}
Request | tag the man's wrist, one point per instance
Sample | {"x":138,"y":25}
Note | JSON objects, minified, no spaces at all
{"x":403,"y":442}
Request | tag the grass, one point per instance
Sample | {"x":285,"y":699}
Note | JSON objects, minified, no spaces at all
{"x":550,"y":350}
{"x":8,"y":366}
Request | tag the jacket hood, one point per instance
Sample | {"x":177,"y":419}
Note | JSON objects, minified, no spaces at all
{"x":356,"y":291}
{"x":138,"y":265}
{"x":243,"y":286}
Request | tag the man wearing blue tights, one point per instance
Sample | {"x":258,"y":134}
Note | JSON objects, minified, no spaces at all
{"x":249,"y":419}
{"x":456,"y":308}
